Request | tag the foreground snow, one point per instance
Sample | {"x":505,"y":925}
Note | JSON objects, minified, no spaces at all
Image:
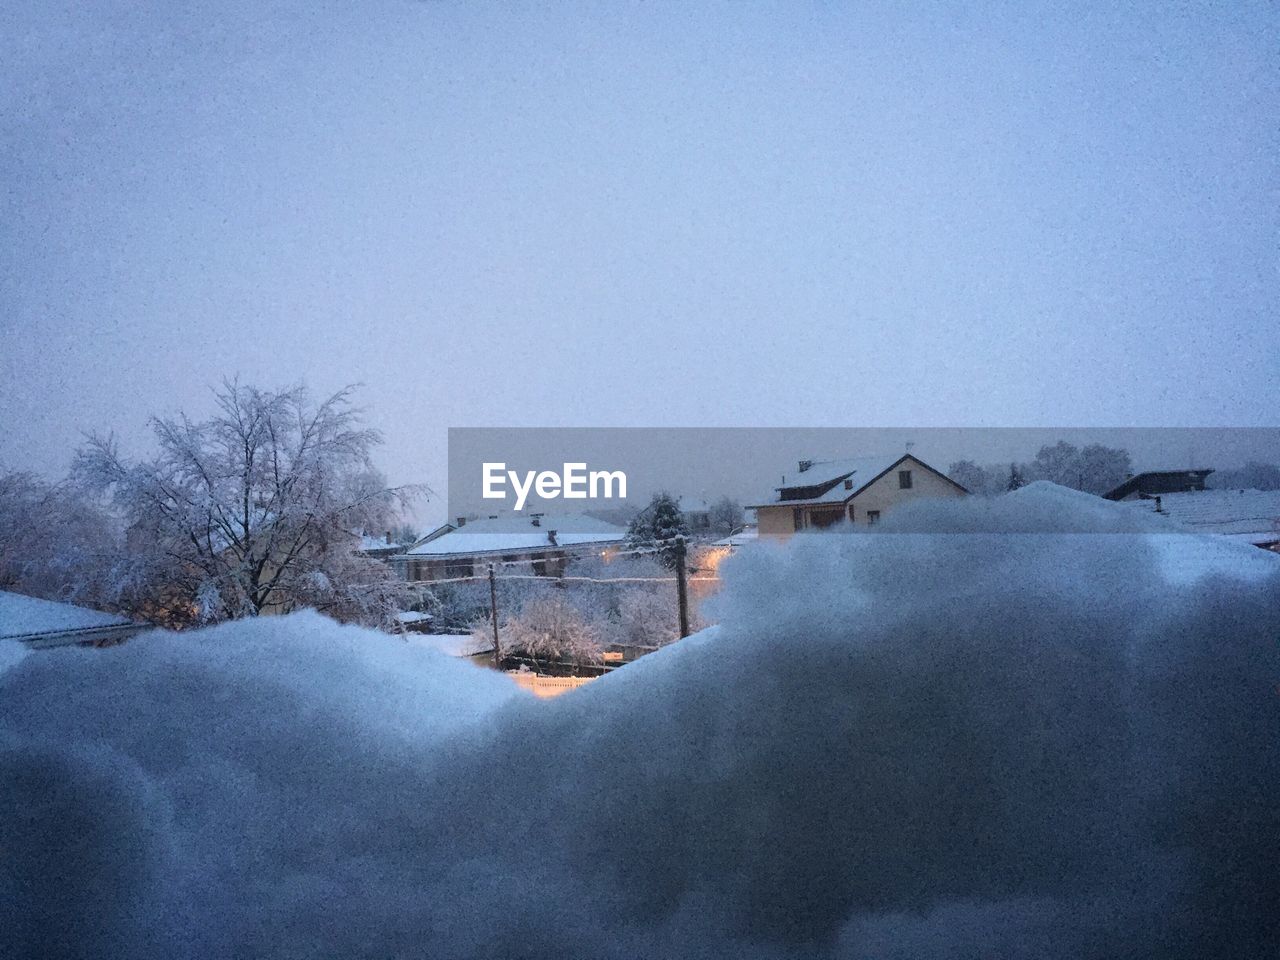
{"x":991,"y":741}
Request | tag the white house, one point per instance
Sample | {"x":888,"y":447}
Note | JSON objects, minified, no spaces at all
{"x":822,"y":493}
{"x":546,"y":541}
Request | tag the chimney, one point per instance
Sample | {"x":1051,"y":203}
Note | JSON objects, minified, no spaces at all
{"x":388,"y":538}
{"x":805,"y":465}
{"x":551,"y":538}
{"x":462,"y":521}
{"x":1158,"y":509}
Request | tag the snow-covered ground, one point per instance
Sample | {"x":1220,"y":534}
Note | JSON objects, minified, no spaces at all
{"x":1037,"y":726}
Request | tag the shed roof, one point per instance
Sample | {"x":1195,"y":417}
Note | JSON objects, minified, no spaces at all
{"x":47,"y":622}
{"x":1252,"y":516}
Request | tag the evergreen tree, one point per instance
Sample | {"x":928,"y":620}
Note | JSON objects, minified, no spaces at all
{"x":1015,"y":478}
{"x":657,"y":526}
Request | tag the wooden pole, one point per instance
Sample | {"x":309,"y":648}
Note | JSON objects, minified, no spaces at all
{"x":682,"y":589}
{"x":493,"y":610}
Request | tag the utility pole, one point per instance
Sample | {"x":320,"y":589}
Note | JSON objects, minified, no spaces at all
{"x":493,"y":610}
{"x":682,"y":590}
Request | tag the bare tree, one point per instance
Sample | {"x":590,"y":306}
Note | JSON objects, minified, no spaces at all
{"x":53,"y":542}
{"x":726,"y":516}
{"x":979,"y":480}
{"x":255,"y":510}
{"x":1094,"y":469}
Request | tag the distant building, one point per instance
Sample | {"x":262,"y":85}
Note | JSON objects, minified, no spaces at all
{"x":438,"y":532}
{"x":1243,"y":516}
{"x":696,"y":512}
{"x":46,"y":623}
{"x":380,"y":548}
{"x":1155,"y":482}
{"x":857,"y":491}
{"x":545,"y":542}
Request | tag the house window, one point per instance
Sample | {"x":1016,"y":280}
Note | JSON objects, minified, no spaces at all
{"x":873,"y":516}
{"x":904,"y":479}
{"x":851,"y":513}
{"x":797,"y":517}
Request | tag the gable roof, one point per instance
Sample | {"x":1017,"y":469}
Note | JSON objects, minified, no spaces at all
{"x":49,"y":623}
{"x":515,"y":533}
{"x":824,"y":481}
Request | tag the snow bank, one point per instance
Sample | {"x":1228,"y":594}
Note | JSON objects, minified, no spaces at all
{"x":990,"y":741}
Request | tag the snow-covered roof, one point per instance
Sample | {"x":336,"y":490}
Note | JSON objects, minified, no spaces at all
{"x":693,"y":505}
{"x":516,"y":533}
{"x":1251,"y":516}
{"x":413,"y":616}
{"x":369,"y":544}
{"x":435,"y":534}
{"x":46,"y":622}
{"x":860,"y":470}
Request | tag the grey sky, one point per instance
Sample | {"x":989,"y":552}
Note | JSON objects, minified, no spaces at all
{"x":651,"y":214}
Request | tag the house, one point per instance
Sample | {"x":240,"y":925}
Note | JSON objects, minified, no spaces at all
{"x":438,"y":532}
{"x":46,"y":623}
{"x":696,"y":512}
{"x":545,"y":542}
{"x":1243,"y":516}
{"x":858,"y":491}
{"x":1155,"y":482}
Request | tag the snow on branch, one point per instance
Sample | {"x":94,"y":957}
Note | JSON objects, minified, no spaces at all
{"x":258,"y":509}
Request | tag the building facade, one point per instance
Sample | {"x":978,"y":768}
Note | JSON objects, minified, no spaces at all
{"x":859,"y":491}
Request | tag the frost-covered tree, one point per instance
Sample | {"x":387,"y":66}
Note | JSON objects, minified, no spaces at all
{"x":549,"y":630}
{"x":255,"y":510}
{"x":657,"y":526}
{"x":649,"y":617}
{"x":725,"y":516}
{"x":1252,"y":476}
{"x":983,"y":481}
{"x":1057,"y":464}
{"x":1101,"y":468}
{"x":53,"y":542}
{"x":1094,"y":469}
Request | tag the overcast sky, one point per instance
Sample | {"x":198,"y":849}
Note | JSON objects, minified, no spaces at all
{"x":637,"y":214}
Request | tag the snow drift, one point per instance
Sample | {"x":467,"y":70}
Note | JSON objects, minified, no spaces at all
{"x":959,"y":736}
